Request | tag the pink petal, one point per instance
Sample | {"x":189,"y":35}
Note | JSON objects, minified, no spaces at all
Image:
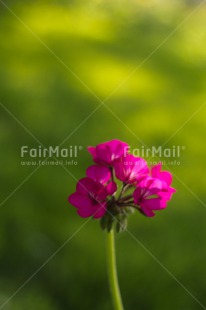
{"x":119,"y":171}
{"x":119,"y":148}
{"x":152,"y":185}
{"x":85,"y":212}
{"x":167,"y":194}
{"x":102,"y":194}
{"x":101,"y":174}
{"x":78,"y":200}
{"x":130,"y":168}
{"x":101,"y":210}
{"x":116,"y":146}
{"x":85,"y":186}
{"x":156,"y":170}
{"x":167,"y":177}
{"x":92,"y":151}
{"x":140,"y":166}
{"x":111,"y":188}
{"x":153,"y":203}
{"x":163,"y":175}
{"x":137,"y":195}
{"x":147,"y":212}
{"x":104,"y":154}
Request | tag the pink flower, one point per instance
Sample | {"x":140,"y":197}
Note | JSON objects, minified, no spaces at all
{"x":130,"y":169}
{"x":141,"y":188}
{"x":90,"y":197}
{"x":166,"y":177}
{"x":106,"y":153}
{"x":153,"y":193}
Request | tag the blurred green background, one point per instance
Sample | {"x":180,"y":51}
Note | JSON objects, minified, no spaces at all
{"x":163,"y":44}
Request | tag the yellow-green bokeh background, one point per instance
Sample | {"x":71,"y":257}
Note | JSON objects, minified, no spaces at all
{"x":101,"y":42}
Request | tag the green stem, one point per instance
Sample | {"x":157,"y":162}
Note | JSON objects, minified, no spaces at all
{"x":112,"y":272}
{"x":126,"y":198}
{"x":122,"y":191}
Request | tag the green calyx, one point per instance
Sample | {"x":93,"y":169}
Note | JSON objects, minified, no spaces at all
{"x":115,"y":216}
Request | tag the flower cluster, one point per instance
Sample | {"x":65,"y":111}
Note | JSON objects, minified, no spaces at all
{"x":146,"y":190}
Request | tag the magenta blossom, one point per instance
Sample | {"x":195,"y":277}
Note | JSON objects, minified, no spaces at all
{"x":106,"y":153}
{"x":146,"y":196}
{"x":166,"y":177}
{"x":131,"y":169}
{"x":90,"y":197}
{"x":154,"y":192}
{"x":140,"y":189}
